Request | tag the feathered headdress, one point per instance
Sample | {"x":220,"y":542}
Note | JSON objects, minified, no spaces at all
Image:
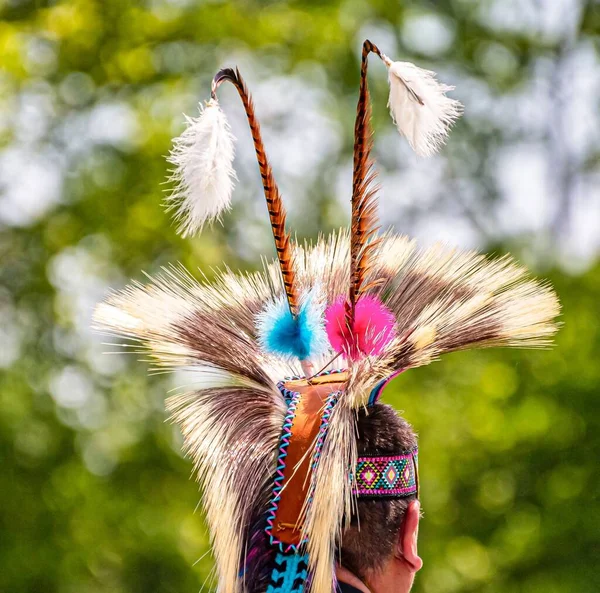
{"x":274,"y":443}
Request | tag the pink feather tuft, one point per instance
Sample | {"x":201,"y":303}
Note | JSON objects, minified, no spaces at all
{"x":374,"y":327}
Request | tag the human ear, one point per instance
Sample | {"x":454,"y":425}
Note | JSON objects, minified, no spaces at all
{"x":406,"y":546}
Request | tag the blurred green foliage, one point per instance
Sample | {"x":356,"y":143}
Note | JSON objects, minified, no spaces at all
{"x":94,"y":494}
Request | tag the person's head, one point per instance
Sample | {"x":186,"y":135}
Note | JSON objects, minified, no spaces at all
{"x":380,"y":545}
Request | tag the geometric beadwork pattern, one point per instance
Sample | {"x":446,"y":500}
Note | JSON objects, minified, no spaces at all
{"x":393,"y":476}
{"x":290,"y":573}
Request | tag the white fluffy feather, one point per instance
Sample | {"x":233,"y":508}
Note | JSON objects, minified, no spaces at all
{"x":420,"y":108}
{"x":203,"y":174}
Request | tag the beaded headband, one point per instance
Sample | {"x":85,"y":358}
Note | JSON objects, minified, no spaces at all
{"x":393,"y":476}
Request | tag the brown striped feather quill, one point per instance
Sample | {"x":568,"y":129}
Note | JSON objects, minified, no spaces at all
{"x":274,"y":202}
{"x":364,"y":191}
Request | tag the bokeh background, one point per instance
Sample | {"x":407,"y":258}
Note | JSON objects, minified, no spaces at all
{"x":94,"y":493}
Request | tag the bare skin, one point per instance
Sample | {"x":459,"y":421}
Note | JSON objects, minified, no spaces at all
{"x":398,"y":572}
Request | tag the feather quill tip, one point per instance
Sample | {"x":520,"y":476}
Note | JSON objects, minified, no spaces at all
{"x":420,"y":108}
{"x":203,"y":169}
{"x":374,"y":327}
{"x":302,"y":337}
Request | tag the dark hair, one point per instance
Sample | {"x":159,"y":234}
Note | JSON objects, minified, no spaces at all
{"x":370,"y":539}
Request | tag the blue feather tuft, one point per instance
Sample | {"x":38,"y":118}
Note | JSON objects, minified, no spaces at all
{"x":279,"y":333}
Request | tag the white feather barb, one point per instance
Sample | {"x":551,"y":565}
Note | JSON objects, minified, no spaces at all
{"x":203,"y":174}
{"x":419,"y":106}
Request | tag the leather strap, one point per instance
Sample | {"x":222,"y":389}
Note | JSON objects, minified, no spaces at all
{"x":298,"y":462}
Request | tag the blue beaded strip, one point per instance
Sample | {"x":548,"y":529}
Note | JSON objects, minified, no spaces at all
{"x":284,"y":443}
{"x":290,"y":574}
